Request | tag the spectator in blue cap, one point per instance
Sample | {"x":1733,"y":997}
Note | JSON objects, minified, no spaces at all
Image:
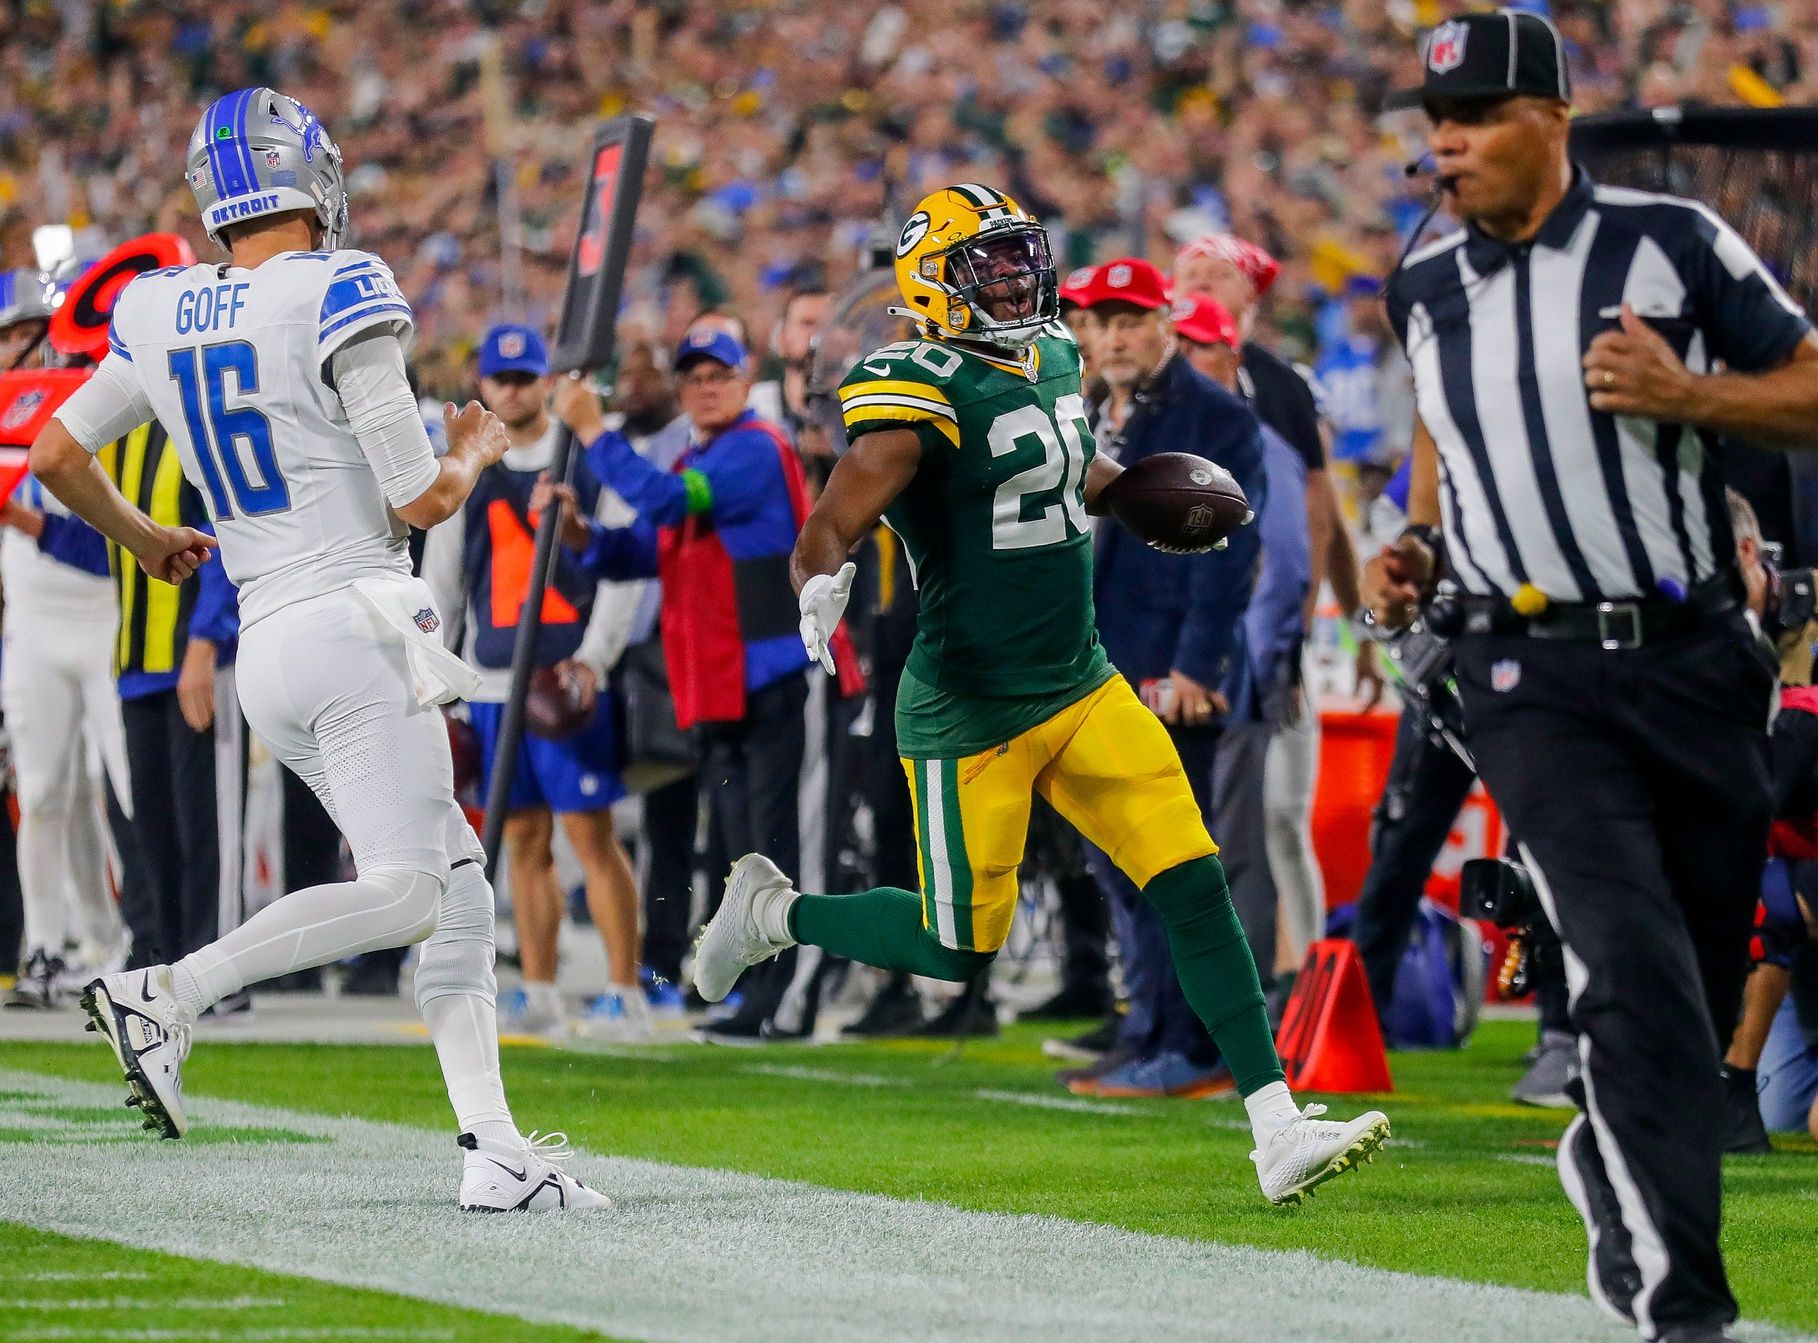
{"x":718,"y":529}
{"x":478,"y":563}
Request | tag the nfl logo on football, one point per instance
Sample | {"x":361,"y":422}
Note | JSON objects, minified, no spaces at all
{"x":1199,"y":517}
{"x":1446,"y":50}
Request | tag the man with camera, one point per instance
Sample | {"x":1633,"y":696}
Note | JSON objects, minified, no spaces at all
{"x":1615,"y":691}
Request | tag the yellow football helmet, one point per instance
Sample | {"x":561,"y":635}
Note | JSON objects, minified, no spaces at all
{"x":972,"y":263}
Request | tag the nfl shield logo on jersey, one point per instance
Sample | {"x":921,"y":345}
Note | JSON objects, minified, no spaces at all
{"x":1505,"y":675}
{"x":1447,"y":48}
{"x":428,"y":621}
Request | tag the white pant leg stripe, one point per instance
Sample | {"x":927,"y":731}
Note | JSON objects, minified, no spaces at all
{"x":940,"y":868}
{"x":1644,"y":1237}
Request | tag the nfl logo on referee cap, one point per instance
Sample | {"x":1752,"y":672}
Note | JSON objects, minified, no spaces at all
{"x":1505,"y":675}
{"x":1446,"y":50}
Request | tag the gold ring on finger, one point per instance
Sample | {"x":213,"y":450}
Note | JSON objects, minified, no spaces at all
{"x":1609,"y":378}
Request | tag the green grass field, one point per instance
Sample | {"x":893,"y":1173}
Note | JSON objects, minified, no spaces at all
{"x":1467,"y":1190}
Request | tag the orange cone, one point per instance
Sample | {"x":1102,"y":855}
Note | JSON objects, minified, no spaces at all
{"x":1329,"y":1039}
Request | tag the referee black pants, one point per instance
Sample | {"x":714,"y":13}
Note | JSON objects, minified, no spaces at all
{"x":187,"y":789}
{"x":1637,"y":782}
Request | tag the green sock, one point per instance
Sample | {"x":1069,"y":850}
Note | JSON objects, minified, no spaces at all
{"x":1217,"y":971}
{"x":883,"y":927}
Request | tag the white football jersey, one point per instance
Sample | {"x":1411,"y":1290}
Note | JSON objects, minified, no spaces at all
{"x":234,"y":363}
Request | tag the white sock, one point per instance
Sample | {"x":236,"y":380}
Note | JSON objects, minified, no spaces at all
{"x":1270,"y":1108}
{"x":541,"y":997}
{"x":465,"y":1029}
{"x":771,"y":914}
{"x":311,"y":927}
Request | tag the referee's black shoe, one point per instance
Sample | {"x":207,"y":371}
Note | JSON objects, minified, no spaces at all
{"x":1743,"y":1132}
{"x":1612,"y":1274}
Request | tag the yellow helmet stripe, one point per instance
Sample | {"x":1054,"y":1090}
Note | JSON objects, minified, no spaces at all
{"x":898,"y":387}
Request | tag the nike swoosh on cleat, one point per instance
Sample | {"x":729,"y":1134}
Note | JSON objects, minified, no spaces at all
{"x":519,"y":1175}
{"x":145,"y":989}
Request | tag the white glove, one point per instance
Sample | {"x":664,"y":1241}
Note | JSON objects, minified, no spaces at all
{"x":823,"y":601}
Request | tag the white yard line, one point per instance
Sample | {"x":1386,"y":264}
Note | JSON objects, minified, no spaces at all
{"x":693,"y":1255}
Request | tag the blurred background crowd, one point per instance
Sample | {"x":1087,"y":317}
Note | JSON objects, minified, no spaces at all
{"x":786,"y":129}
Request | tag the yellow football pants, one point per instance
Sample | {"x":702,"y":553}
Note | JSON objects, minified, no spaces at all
{"x":1105,"y":763}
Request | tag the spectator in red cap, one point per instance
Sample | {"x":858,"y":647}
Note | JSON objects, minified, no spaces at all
{"x":1079,"y":317}
{"x":1173,"y":625}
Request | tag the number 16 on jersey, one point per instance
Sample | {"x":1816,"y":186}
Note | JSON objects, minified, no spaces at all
{"x":218,"y":430}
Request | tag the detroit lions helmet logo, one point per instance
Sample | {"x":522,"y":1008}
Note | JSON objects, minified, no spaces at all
{"x":309,"y":130}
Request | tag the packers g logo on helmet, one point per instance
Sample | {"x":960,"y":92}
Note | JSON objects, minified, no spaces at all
{"x":972,"y":262}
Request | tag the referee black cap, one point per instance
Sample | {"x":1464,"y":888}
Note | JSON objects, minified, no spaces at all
{"x":1490,"y":56}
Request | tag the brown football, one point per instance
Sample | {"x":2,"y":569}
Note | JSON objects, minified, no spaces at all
{"x":1178,"y":502}
{"x":552,"y":709}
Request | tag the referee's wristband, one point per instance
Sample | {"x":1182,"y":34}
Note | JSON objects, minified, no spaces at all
{"x":1426,"y":534}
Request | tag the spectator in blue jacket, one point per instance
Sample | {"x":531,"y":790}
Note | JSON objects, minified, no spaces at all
{"x":1172,"y":624}
{"x":718,"y":530}
{"x":1273,"y":625}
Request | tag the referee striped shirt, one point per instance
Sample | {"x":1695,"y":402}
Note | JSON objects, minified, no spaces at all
{"x":1535,"y":486}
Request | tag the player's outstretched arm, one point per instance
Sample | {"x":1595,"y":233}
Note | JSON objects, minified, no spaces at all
{"x":476,"y":439}
{"x":70,"y":472}
{"x":876,"y":469}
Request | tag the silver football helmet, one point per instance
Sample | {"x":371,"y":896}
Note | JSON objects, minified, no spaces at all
{"x":256,"y":152}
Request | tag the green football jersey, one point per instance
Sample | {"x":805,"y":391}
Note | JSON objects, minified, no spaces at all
{"x":995,"y":527}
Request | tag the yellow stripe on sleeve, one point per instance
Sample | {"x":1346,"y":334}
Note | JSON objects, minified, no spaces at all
{"x":871,"y":412}
{"x":919,"y":391}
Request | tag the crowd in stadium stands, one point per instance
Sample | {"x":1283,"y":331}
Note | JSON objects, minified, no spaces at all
{"x":786,"y":133}
{"x":786,"y":129}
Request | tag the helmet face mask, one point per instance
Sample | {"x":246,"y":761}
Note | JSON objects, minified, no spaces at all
{"x":972,"y":264}
{"x":255,"y":153}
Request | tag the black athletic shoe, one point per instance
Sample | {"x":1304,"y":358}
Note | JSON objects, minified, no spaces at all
{"x":1743,"y":1131}
{"x":970,"y":1016}
{"x":40,"y":982}
{"x":896,"y":1010}
{"x":1612,"y":1274}
{"x":1088,"y":1048}
{"x":1074,"y":1000}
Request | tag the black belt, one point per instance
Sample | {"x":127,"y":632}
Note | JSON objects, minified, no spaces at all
{"x":1614,"y":625}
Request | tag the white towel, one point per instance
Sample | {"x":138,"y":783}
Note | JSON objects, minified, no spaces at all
{"x":405,"y":604}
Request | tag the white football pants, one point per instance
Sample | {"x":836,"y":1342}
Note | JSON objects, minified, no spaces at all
{"x":63,"y":710}
{"x":1290,"y":776}
{"x":329,"y":690}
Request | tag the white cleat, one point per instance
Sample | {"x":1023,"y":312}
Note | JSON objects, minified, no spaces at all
{"x":149,"y":1030}
{"x":749,"y":927}
{"x":525,"y":1176}
{"x":1304,"y":1153}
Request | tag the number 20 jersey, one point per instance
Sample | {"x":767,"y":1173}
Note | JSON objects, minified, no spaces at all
{"x":994,"y":521}
{"x":235,"y":365}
